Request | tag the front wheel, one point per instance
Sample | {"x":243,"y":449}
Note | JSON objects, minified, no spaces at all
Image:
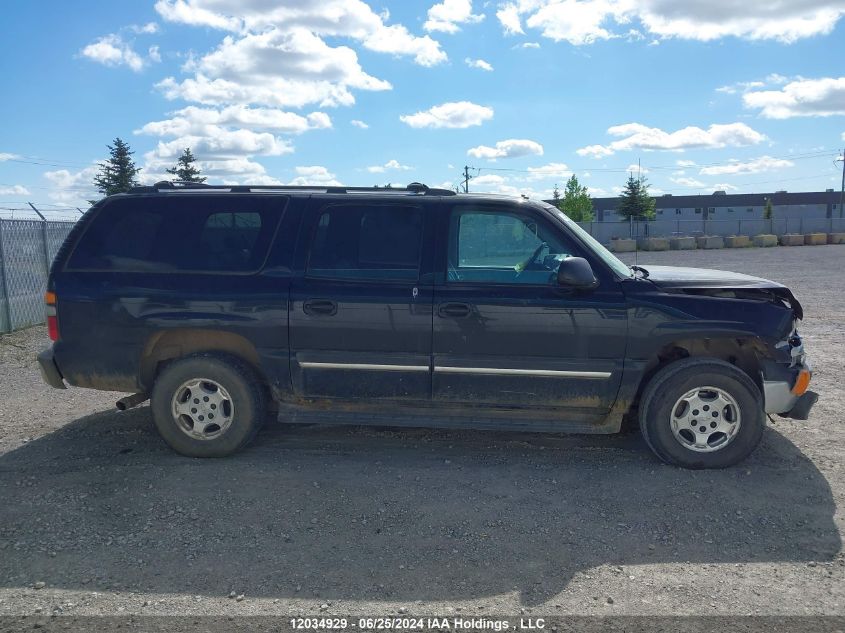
{"x":702,"y":413}
{"x":207,"y":405}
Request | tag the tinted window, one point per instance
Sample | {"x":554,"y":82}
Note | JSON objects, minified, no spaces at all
{"x":208,"y":233}
{"x":503,"y":247}
{"x":363,"y":242}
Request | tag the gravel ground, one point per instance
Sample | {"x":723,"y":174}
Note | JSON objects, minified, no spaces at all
{"x":99,"y":517}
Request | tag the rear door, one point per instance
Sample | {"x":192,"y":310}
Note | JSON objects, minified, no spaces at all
{"x":361,"y":301}
{"x":505,"y":333}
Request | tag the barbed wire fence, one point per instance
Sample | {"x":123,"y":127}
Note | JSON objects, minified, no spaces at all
{"x":30,"y":237}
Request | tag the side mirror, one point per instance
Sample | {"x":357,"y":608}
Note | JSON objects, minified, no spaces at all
{"x":575,"y":272}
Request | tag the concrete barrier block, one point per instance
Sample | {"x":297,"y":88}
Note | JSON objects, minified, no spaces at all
{"x":682,"y":243}
{"x":764,"y":240}
{"x":623,"y":246}
{"x":737,"y":241}
{"x":815,"y":239}
{"x":653,"y":244}
{"x":836,"y":238}
{"x":710,"y":241}
{"x":791,"y":239}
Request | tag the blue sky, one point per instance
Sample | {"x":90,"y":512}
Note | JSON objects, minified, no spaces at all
{"x":705,"y":94}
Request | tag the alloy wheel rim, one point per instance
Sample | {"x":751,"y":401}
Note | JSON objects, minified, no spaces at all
{"x":202,"y":409}
{"x":705,"y":419}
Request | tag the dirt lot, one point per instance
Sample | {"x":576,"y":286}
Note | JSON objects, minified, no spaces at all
{"x":362,"y":521}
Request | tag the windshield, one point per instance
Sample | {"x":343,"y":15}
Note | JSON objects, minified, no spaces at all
{"x":606,"y":256}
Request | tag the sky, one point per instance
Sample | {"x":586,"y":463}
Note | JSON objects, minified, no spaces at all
{"x":697,"y":95}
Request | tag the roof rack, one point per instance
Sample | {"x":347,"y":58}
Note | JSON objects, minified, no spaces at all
{"x":417,"y":188}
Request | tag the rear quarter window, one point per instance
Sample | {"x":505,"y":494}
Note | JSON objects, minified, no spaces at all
{"x":180,"y":234}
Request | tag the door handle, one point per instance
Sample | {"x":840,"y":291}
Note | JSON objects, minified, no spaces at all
{"x":454,"y":310}
{"x":317,"y":307}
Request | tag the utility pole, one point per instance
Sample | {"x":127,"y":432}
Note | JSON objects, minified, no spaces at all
{"x":466,"y":178}
{"x":842,"y":190}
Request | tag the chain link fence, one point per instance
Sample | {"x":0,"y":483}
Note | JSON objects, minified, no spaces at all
{"x":27,"y":248}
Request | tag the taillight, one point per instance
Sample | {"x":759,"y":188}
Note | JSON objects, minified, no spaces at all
{"x":52,"y":320}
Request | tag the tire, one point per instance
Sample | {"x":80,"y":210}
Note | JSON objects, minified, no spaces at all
{"x":666,"y":417}
{"x":229,"y":399}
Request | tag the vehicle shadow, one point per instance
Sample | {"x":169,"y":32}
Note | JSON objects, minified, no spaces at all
{"x":349,"y":513}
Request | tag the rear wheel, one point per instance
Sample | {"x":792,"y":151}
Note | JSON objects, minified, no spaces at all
{"x":207,"y":405}
{"x":702,"y":413}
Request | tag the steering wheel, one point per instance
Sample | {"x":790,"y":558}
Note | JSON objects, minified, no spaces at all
{"x":522,"y":266}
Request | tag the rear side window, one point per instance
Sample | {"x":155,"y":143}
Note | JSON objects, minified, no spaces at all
{"x":367,"y":242}
{"x":202,"y":233}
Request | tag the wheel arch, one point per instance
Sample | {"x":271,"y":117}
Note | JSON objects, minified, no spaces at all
{"x":168,"y":345}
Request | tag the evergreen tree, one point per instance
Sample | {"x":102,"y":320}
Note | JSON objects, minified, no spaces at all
{"x":185,"y":171}
{"x":556,"y":197}
{"x":767,"y":210}
{"x":635,"y":201}
{"x":576,"y":202}
{"x":118,"y":173}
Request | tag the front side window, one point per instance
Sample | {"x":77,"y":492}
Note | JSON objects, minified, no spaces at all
{"x":367,"y":242}
{"x":503,"y":247}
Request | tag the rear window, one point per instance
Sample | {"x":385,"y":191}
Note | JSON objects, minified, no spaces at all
{"x":367,"y":242}
{"x":179,"y":234}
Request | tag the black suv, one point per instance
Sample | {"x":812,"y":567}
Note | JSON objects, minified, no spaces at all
{"x":414,"y":307}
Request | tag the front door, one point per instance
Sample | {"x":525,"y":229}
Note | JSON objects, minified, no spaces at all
{"x":505,"y":333}
{"x":360,"y":321}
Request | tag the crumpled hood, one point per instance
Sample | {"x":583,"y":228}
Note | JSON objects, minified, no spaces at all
{"x":678,"y":278}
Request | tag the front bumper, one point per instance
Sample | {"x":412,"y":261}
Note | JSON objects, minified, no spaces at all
{"x":49,"y":370}
{"x":785,"y":383}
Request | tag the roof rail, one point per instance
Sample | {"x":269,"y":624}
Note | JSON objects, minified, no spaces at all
{"x":178,"y":185}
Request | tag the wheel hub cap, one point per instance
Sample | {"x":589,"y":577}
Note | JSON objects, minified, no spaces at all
{"x":202,"y":409}
{"x":705,"y":419}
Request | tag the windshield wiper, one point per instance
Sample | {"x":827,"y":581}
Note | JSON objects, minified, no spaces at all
{"x":640,"y":269}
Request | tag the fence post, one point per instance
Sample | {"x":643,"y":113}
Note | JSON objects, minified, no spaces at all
{"x":5,"y":279}
{"x":46,"y":250}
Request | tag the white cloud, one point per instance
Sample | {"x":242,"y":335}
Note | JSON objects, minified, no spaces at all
{"x":154,"y":54}
{"x":14,"y":190}
{"x":334,"y":18}
{"x":685,"y":163}
{"x":689,"y":183}
{"x":755,"y":166}
{"x":723,"y":186}
{"x":511,"y":148}
{"x":73,"y":187}
{"x":594,"y":151}
{"x":447,"y":15}
{"x":550,"y":171}
{"x":204,"y":121}
{"x":636,"y":169}
{"x":4,"y":156}
{"x":509,"y":19}
{"x":388,"y":166}
{"x":460,"y":114}
{"x":586,"y":21}
{"x":802,"y":97}
{"x":637,"y":136}
{"x":529,"y":45}
{"x":487,"y":182}
{"x":359,"y":124}
{"x":478,"y":63}
{"x":111,"y":50}
{"x":315,"y":175}
{"x":150,"y":28}
{"x":274,"y":68}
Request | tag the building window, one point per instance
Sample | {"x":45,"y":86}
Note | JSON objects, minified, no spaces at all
{"x":730,"y":210}
{"x":750,"y":209}
{"x":698,"y":210}
{"x":677,"y":212}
